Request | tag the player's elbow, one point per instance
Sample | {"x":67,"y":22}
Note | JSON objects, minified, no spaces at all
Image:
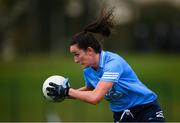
{"x":94,"y":102}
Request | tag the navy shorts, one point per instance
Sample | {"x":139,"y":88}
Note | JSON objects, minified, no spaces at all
{"x":150,"y":112}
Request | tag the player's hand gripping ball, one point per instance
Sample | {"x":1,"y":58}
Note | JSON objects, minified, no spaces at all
{"x":55,"y":88}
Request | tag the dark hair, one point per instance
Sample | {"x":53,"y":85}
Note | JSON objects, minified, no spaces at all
{"x":101,"y":25}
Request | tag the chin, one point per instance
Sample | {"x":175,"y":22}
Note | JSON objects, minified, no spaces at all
{"x":84,"y":66}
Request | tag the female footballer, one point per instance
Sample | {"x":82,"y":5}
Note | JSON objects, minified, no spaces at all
{"x":108,"y":76}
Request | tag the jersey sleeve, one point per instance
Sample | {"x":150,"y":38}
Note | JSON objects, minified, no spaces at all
{"x":112,"y":71}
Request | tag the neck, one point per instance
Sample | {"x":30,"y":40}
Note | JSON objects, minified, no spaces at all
{"x":96,"y":59}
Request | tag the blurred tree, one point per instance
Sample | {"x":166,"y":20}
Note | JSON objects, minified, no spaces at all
{"x":38,"y":21}
{"x":161,"y":21}
{"x":28,"y":26}
{"x":11,"y":13}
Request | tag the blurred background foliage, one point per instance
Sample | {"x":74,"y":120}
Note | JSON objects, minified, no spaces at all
{"x":34,"y":44}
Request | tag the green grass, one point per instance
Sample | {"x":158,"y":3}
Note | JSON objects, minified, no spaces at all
{"x":21,"y":82}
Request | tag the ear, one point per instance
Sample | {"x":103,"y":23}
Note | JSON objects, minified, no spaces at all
{"x":90,"y":51}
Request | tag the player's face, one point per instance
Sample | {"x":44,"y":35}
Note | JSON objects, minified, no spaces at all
{"x":82,"y":57}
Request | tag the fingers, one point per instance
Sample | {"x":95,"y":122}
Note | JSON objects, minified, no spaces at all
{"x":50,"y":94}
{"x":56,"y":91}
{"x":53,"y":84}
{"x":51,"y":91}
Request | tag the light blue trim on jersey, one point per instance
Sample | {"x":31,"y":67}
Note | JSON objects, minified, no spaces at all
{"x":127,"y":90}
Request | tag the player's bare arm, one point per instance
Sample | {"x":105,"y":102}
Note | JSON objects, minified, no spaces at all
{"x":85,"y":88}
{"x":93,"y":96}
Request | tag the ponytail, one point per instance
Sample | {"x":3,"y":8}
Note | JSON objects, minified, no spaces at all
{"x":101,"y":26}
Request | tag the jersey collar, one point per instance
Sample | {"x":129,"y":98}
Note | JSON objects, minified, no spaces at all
{"x":101,"y":61}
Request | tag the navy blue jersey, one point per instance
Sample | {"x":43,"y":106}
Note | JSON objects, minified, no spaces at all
{"x":127,"y":90}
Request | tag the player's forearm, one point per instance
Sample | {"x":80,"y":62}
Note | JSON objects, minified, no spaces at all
{"x":87,"y":96}
{"x":84,"y":89}
{"x":80,"y":89}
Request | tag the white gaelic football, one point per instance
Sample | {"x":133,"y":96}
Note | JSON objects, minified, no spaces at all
{"x":59,"y":80}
